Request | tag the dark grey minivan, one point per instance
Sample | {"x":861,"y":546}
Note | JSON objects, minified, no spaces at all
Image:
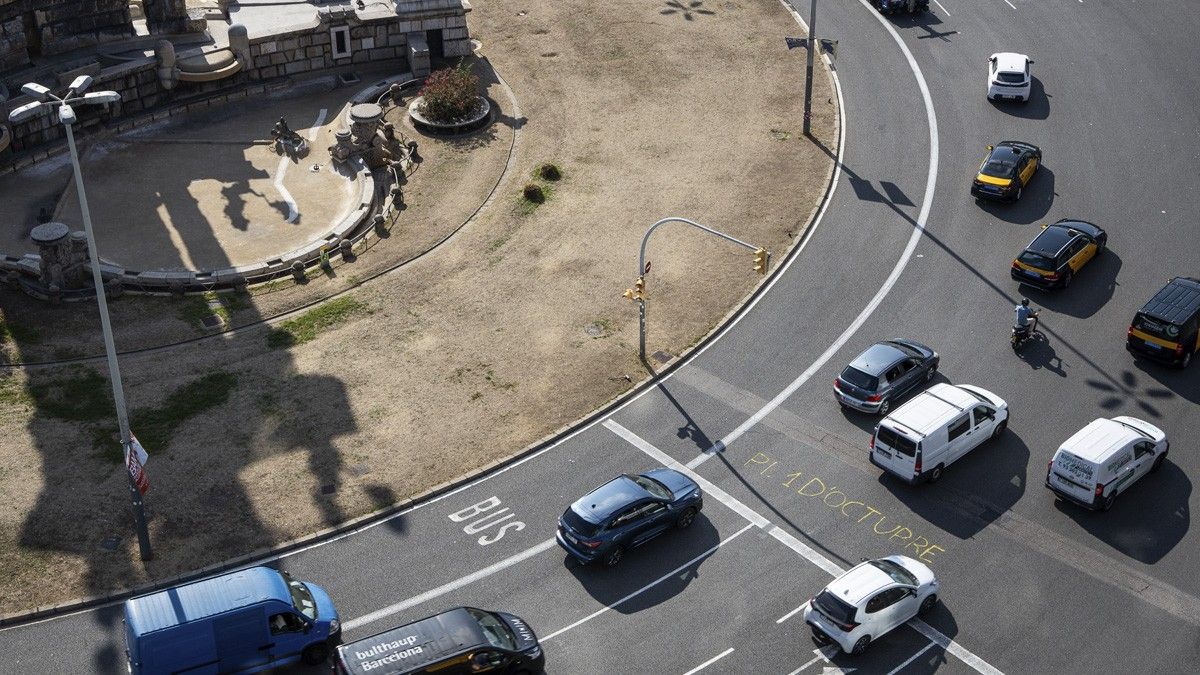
{"x":883,"y":373}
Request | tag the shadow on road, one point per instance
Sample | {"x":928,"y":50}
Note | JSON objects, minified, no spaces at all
{"x":1090,"y":290}
{"x":1037,"y":108}
{"x":1035,"y":202}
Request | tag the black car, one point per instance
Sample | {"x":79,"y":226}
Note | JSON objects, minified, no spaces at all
{"x":1006,"y":170}
{"x":1057,"y":254}
{"x":883,"y":373}
{"x":627,"y":512}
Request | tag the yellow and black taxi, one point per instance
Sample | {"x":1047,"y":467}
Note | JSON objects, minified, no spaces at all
{"x":1057,"y":254}
{"x":1168,"y":327}
{"x":1006,"y":170}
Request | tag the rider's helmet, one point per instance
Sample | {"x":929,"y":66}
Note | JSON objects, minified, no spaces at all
{"x":1025,"y":302}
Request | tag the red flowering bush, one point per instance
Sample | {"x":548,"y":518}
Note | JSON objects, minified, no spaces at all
{"x":450,"y":94}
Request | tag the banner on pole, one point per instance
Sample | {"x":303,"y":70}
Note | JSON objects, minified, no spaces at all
{"x":136,"y":462}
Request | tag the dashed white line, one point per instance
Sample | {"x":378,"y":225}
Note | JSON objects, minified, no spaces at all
{"x":910,"y":659}
{"x":709,"y":662}
{"x":943,"y":7}
{"x":1010,"y":4}
{"x":965,"y":655}
{"x":652,"y":584}
{"x":816,"y":658}
{"x":446,"y":588}
{"x":790,"y":614}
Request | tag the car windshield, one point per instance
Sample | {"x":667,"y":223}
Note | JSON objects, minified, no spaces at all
{"x":1037,"y":260}
{"x":1012,"y":78}
{"x":579,"y":524}
{"x":302,"y":599}
{"x":998,"y":167}
{"x":896,"y":572}
{"x":653,"y":487}
{"x":835,"y":608}
{"x":1162,"y":329}
{"x":860,"y":379}
{"x":497,"y":632}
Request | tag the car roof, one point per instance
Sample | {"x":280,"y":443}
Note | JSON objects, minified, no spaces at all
{"x":1051,"y":240}
{"x":932,"y":408}
{"x":208,"y":597}
{"x":1099,"y":439}
{"x":1010,"y":61}
{"x":1175,"y":302}
{"x":609,"y":498}
{"x":878,"y":358}
{"x":859,"y":583}
{"x":1005,"y":152}
{"x":438,"y":637}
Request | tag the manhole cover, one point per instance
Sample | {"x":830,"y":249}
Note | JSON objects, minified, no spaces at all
{"x":110,"y":544}
{"x":662,"y":357}
{"x":212,"y":321}
{"x":594,"y":329}
{"x":348,"y":78}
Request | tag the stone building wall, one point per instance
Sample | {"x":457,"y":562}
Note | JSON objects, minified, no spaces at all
{"x":30,"y":28}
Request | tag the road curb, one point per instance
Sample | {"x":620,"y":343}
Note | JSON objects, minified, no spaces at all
{"x":90,"y":602}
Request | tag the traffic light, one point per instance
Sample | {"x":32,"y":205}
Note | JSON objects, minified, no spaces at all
{"x":761,"y":260}
{"x":638,"y":292}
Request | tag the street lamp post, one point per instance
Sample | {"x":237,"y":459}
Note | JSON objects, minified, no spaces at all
{"x":808,"y":69}
{"x":66,"y":115}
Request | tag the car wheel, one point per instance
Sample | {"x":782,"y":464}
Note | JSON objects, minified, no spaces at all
{"x":930,"y":373}
{"x":1100,"y":244}
{"x":861,"y":645}
{"x":928,"y":604}
{"x":1067,"y":279}
{"x":686,"y":518}
{"x":1108,"y":502}
{"x":1018,"y":197}
{"x":885,"y":407}
{"x":315,"y":654}
{"x":936,"y":474}
{"x":999,"y":430}
{"x":1187,"y":358}
{"x":1158,"y":463}
{"x":614,"y":556}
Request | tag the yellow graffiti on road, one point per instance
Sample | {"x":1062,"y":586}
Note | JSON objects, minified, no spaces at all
{"x":809,"y":485}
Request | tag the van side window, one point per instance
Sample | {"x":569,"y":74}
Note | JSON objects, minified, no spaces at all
{"x":1142,"y":449}
{"x":958,"y":427}
{"x":285,"y":623}
{"x":981,"y":413}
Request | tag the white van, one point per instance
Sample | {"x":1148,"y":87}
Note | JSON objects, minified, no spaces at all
{"x":927,"y":434}
{"x":1104,"y":459}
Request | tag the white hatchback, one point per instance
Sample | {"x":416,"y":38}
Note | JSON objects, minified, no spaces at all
{"x":869,"y":600}
{"x":1008,"y":77}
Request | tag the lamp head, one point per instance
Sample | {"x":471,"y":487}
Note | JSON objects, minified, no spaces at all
{"x":66,"y":114}
{"x":36,"y":91}
{"x":80,"y":83}
{"x":101,"y":97}
{"x":24,"y":112}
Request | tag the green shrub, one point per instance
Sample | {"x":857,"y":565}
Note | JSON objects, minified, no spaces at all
{"x":450,"y":94}
{"x":550,"y":172}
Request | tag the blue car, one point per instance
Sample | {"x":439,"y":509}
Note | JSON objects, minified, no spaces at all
{"x":627,"y":512}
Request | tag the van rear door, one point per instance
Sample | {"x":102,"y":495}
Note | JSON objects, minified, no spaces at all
{"x":894,"y":451}
{"x":1073,"y":476}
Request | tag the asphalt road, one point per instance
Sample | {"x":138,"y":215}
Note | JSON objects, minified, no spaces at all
{"x":1029,"y":585}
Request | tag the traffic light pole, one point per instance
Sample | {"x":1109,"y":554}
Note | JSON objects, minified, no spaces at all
{"x":761,"y":257}
{"x":808,"y":69}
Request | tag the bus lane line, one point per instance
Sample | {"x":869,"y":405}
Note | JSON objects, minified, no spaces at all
{"x":806,"y":552}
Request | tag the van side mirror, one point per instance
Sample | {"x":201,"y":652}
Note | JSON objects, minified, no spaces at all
{"x":1030,"y":62}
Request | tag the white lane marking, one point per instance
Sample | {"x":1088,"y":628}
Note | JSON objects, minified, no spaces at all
{"x":953,"y":647}
{"x":650,"y":585}
{"x":816,"y":658}
{"x":948,"y":11}
{"x":795,"y":544}
{"x":790,"y":614}
{"x":910,"y":659}
{"x":922,"y":218}
{"x":709,"y":662}
{"x":1010,"y":4}
{"x":446,"y":588}
{"x":285,"y":162}
{"x":710,"y":490}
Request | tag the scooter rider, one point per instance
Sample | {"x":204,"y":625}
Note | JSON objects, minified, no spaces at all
{"x":1027,"y":318}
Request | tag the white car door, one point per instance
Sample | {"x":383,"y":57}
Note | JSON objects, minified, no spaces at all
{"x":983,"y":423}
{"x":890,"y":608}
{"x":958,"y":438}
{"x":1143,"y":459}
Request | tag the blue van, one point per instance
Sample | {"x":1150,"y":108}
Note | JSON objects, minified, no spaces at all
{"x":241,"y":622}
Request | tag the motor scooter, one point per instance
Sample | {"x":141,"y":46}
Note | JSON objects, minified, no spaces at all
{"x":1023,"y":334}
